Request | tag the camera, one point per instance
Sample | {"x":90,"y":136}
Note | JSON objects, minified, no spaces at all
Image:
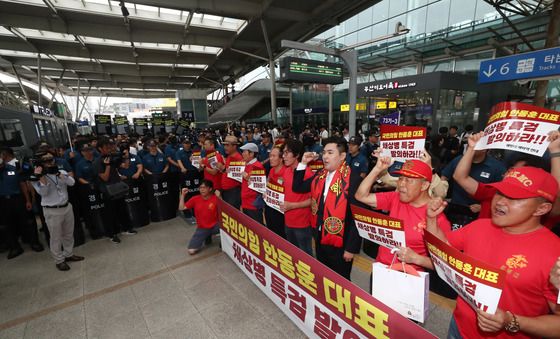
{"x":47,"y":166}
{"x":115,"y":159}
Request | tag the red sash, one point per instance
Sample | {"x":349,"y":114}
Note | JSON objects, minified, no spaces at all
{"x":335,"y":205}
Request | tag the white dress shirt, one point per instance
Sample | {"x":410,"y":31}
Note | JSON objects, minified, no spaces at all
{"x":328,"y":179}
{"x":54,"y":192}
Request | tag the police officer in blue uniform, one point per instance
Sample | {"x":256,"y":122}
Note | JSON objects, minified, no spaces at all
{"x":132,"y":166}
{"x":264,"y":150}
{"x":85,"y":176}
{"x":154,"y":162}
{"x":355,"y":159}
{"x":15,"y":198}
{"x":191,"y":177}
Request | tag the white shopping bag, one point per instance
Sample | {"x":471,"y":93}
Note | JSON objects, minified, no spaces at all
{"x":405,"y":293}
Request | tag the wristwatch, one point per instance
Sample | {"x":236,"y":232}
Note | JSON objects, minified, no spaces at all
{"x":513,"y":325}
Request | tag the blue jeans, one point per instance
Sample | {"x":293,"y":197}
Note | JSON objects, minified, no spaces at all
{"x":453,"y":332}
{"x":300,"y":237}
{"x":200,"y":236}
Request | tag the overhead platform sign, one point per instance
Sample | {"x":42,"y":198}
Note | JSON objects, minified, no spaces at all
{"x":310,"y":71}
{"x":533,"y":65}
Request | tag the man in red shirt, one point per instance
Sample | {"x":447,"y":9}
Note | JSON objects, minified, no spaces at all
{"x":297,"y":214}
{"x":231,"y":188}
{"x":251,"y":200}
{"x":484,"y":192}
{"x":514,"y":240}
{"x":210,"y":163}
{"x":409,"y":204}
{"x":205,"y":208}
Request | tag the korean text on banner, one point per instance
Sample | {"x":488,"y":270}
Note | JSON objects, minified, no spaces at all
{"x":235,"y":170}
{"x":257,"y":181}
{"x":196,"y":158}
{"x":403,"y":142}
{"x":274,"y":195}
{"x":319,"y":301}
{"x":478,"y":283}
{"x":519,"y":127}
{"x":379,"y":228}
{"x":316,"y":165}
{"x":212,"y":160}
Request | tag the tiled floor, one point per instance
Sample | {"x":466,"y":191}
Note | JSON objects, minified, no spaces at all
{"x":145,"y":287}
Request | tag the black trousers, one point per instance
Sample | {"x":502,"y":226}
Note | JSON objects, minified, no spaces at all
{"x":17,"y":221}
{"x":256,"y":215}
{"x":331,"y":257}
{"x":114,"y":219}
{"x":275,"y":221}
{"x":233,"y":196}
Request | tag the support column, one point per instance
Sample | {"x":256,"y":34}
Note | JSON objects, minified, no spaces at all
{"x":551,"y":41}
{"x":39,"y":82}
{"x":78,"y":101}
{"x":272,"y":75}
{"x":273,"y":93}
{"x":21,"y":85}
{"x":329,"y":127}
{"x":350,"y":57}
{"x":291,"y":108}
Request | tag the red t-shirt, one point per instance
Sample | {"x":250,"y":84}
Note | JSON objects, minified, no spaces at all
{"x":484,"y":193}
{"x":248,"y":196}
{"x":205,"y":211}
{"x":414,"y":220}
{"x":527,"y":259}
{"x":210,"y":160}
{"x":228,"y":183}
{"x":298,"y":217}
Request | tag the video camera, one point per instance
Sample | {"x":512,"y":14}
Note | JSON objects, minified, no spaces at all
{"x":115,"y":159}
{"x":48,"y":166}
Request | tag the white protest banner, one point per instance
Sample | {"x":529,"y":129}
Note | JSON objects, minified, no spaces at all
{"x":321,"y":303}
{"x":196,"y":158}
{"x":403,"y":142}
{"x":212,"y":160}
{"x":379,"y":228}
{"x":274,"y":195}
{"x":519,"y":127}
{"x":257,"y":180}
{"x":235,"y":170}
{"x":478,"y":283}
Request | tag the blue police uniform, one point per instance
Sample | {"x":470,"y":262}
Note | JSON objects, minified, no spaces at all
{"x":10,"y":179}
{"x":135,"y":162}
{"x":358,"y":164}
{"x":171,"y":152}
{"x":12,"y":210}
{"x":62,"y":164}
{"x":264,"y":152}
{"x":85,"y":170}
{"x":154,"y":163}
{"x":185,"y":157}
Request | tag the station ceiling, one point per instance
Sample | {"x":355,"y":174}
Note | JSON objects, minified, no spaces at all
{"x":151,"y":48}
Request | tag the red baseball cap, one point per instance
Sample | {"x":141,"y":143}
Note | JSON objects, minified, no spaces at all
{"x":415,"y":169}
{"x":528,"y":182}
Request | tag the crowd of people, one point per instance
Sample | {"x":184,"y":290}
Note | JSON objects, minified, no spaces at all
{"x":491,"y":205}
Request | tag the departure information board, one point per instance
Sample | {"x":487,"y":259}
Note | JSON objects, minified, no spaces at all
{"x":310,"y":71}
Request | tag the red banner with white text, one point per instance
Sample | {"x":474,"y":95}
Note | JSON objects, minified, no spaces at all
{"x":319,"y":301}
